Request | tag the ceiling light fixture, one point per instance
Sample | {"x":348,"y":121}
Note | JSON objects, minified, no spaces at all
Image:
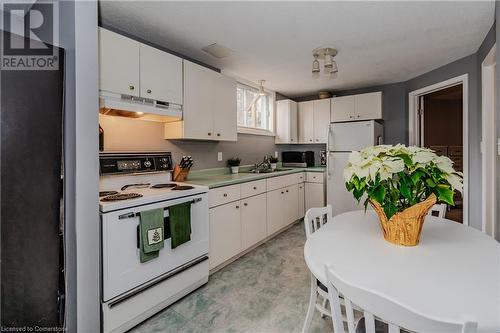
{"x":330,"y":65}
{"x":262,"y":92}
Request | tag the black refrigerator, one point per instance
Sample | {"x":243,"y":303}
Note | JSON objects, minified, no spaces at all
{"x":32,"y":218}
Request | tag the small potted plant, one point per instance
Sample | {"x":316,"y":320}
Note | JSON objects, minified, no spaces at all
{"x":401,"y":184}
{"x":274,"y":162}
{"x":234,"y":163}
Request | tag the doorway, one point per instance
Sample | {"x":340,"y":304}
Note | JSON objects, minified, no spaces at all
{"x":438,"y":120}
{"x":441,"y":129}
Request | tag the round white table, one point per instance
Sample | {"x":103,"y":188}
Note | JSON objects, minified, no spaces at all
{"x":453,"y":274}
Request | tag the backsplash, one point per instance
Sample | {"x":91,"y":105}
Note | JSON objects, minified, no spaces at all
{"x":125,"y":134}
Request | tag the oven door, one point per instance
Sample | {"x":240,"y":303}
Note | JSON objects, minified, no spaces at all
{"x":122,"y":270}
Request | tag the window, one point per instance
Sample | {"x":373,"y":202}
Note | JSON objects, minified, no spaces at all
{"x":254,"y":111}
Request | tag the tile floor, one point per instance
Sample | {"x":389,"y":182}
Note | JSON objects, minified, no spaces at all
{"x":267,"y":290}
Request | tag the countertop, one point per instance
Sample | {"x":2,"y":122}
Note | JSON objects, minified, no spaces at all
{"x":221,"y":177}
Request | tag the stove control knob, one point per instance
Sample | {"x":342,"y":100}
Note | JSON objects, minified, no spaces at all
{"x":147,"y":164}
{"x":164,"y":166}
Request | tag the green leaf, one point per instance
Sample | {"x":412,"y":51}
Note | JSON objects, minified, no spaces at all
{"x":430,"y":182}
{"x":445,"y":194}
{"x":378,"y":194}
{"x":416,"y":175}
{"x":406,"y":159}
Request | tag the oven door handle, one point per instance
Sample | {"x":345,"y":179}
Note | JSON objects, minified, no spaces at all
{"x":131,"y":214}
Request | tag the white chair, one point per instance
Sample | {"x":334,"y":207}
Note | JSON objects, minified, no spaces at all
{"x":438,"y":210}
{"x":376,"y":306}
{"x":313,"y":220}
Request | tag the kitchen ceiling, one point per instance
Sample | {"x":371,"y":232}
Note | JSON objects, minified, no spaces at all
{"x":378,"y":42}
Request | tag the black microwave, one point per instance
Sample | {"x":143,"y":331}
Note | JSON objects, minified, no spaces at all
{"x":297,"y":158}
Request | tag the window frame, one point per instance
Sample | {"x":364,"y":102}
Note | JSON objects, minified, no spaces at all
{"x":272,"y":108}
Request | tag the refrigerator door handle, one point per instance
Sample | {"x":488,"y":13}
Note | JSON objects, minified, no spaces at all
{"x":328,"y":164}
{"x":329,"y":138}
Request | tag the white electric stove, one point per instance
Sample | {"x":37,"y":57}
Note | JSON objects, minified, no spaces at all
{"x":133,"y":291}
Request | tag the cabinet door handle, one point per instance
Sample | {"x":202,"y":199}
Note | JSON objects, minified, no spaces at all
{"x":255,"y":187}
{"x":148,"y":91}
{"x":245,"y":204}
{"x":225,"y":194}
{"x":209,"y":133}
{"x":237,"y":207}
{"x":291,"y":139}
{"x":218,"y":134}
{"x":131,"y":87}
{"x":286,"y":191}
{"x":310,"y":140}
{"x":282,"y":192}
{"x":359,"y":116}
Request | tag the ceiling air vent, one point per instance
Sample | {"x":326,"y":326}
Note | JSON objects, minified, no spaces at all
{"x":218,"y":50}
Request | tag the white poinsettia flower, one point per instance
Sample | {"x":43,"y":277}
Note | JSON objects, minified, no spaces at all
{"x":355,"y":158}
{"x":348,"y":173}
{"x":423,"y":157}
{"x":455,"y":181}
{"x":444,"y":164}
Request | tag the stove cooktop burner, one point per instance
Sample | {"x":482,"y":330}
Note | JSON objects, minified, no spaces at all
{"x":167,"y":185}
{"x":121,"y":196}
{"x":106,"y":193}
{"x":182,"y":187}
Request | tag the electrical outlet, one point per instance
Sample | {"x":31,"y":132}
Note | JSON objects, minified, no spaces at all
{"x":219,"y":156}
{"x":276,"y":154}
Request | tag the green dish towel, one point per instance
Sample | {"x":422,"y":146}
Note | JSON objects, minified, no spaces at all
{"x":180,"y":223}
{"x":151,"y":234}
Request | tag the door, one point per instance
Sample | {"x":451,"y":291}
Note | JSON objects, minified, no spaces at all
{"x":253,"y":220}
{"x":161,"y":75}
{"x":351,"y":136}
{"x":336,"y":192}
{"x":306,"y":122}
{"x":225,"y":233}
{"x":291,"y":197}
{"x":118,"y":63}
{"x":321,"y":120}
{"x":368,"y":106}
{"x":199,"y":102}
{"x":314,"y":195}
{"x":342,"y":109}
{"x":275,"y":210}
{"x":224,"y":112}
{"x":301,"y":197}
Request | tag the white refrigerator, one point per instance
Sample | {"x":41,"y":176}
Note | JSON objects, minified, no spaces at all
{"x":343,"y":138}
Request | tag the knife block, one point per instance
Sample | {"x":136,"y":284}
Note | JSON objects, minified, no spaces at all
{"x":179,"y":175}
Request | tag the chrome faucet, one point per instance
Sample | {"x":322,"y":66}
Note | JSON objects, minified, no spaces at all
{"x":264,"y":165}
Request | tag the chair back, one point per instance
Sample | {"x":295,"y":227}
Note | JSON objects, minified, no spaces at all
{"x":438,"y":210}
{"x":315,"y":218}
{"x":374,"y":306}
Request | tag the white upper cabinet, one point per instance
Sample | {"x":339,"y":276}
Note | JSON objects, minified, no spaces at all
{"x":313,"y":121}
{"x":306,"y":122}
{"x":161,"y":75}
{"x":321,"y":120}
{"x":118,"y":63}
{"x":342,"y":108}
{"x":209,"y":109}
{"x":357,"y":107}
{"x":131,"y":68}
{"x":286,"y":122}
{"x":225,"y":121}
{"x":369,"y":106}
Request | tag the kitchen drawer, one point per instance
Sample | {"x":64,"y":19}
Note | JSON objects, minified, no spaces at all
{"x":221,"y":195}
{"x":301,"y":177}
{"x":314,"y":177}
{"x":455,"y":151}
{"x":281,"y":181}
{"x":253,"y":188}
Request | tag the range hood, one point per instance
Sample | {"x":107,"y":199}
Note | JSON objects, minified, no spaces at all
{"x":112,"y":104}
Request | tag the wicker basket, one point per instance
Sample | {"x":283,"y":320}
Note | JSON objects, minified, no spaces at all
{"x":404,"y":228}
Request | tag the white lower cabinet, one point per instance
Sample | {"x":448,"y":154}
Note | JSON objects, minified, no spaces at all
{"x":301,"y":202}
{"x":253,"y":220}
{"x":314,"y":195}
{"x":275,"y":209}
{"x":225,"y":233}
